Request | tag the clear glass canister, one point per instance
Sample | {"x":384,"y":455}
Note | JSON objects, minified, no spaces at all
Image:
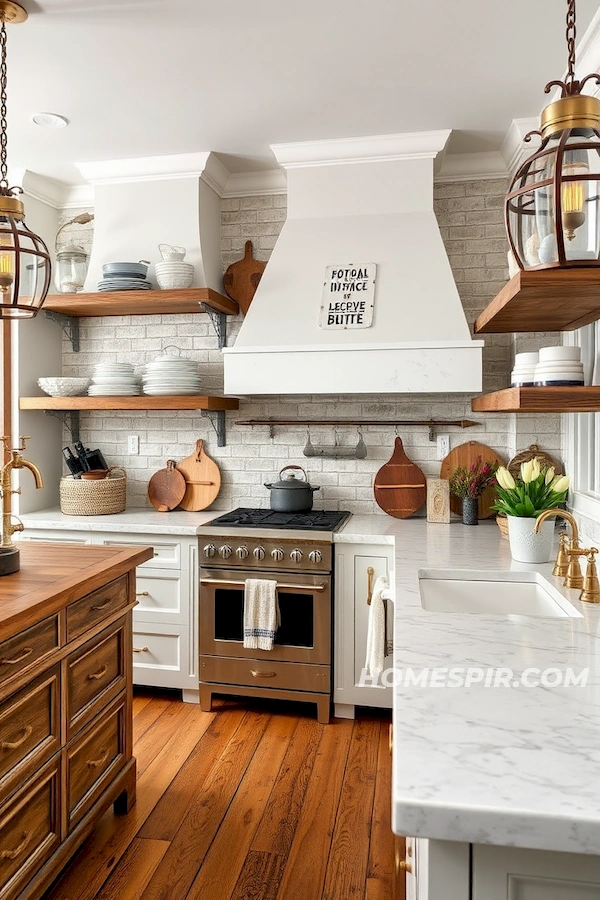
{"x":72,"y":264}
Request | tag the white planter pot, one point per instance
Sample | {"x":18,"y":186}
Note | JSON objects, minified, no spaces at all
{"x":525,"y":545}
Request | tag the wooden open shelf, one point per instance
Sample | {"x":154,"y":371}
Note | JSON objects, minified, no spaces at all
{"x":166,"y":401}
{"x":545,"y":300}
{"x":540,"y":399}
{"x":139,"y":303}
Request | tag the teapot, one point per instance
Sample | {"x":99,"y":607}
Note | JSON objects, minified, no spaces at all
{"x":171,"y":253}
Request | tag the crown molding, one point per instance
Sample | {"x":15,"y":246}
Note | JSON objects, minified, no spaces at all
{"x":373,"y":148}
{"x":146,"y":168}
{"x":513,"y":150}
{"x":215,"y":174}
{"x":471,"y":167}
{"x":255,"y":184}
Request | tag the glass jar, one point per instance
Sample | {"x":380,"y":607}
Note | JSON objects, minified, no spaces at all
{"x":72,"y":264}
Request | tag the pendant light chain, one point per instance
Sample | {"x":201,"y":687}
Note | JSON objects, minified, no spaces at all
{"x":571,"y":35}
{"x":3,"y":123}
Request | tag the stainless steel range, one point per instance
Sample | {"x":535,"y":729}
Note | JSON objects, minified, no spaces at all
{"x":295,"y":549}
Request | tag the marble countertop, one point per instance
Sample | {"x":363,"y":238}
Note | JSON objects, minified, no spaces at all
{"x":136,"y":520}
{"x":514,"y":766}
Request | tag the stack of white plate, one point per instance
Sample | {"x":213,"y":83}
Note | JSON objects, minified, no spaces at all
{"x":125,"y":276}
{"x":559,"y":366}
{"x":169,"y":374}
{"x":114,"y":380}
{"x":523,"y":374}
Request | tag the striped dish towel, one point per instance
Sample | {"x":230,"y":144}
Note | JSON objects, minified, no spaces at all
{"x":261,"y":613}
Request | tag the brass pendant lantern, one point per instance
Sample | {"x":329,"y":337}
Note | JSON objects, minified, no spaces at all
{"x":24,"y":258}
{"x":553,"y":205}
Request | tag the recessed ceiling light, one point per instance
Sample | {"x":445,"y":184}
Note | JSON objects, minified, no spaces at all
{"x":49,"y":120}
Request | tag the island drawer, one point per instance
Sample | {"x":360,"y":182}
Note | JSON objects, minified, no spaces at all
{"x":95,"y":674}
{"x":94,"y":757}
{"x":27,"y":648}
{"x":29,"y":730}
{"x":29,"y":829}
{"x":94,"y":607}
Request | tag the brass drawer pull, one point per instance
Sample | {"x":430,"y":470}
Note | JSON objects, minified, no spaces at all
{"x":391,"y":738}
{"x":96,"y":676}
{"x":370,"y":574}
{"x":262,"y":674}
{"x":12,"y":745}
{"x":103,"y":605}
{"x":96,"y":763}
{"x":143,"y":594}
{"x":12,"y":662}
{"x":12,"y":854}
{"x":405,"y":866}
{"x":140,"y":649}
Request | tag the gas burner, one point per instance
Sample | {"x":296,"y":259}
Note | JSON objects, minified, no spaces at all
{"x":312,"y":520}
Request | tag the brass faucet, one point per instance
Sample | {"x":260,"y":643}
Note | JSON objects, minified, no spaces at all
{"x":15,"y":462}
{"x":567,"y":561}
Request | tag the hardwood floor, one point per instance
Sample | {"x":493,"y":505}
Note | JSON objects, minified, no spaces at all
{"x":256,"y":801}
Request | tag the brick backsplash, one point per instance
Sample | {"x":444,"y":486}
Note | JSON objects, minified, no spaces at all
{"x":470,"y":215}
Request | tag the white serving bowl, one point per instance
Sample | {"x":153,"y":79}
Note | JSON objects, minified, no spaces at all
{"x":64,"y":387}
{"x":560,"y":354}
{"x":173,"y":274}
{"x":526,"y":359}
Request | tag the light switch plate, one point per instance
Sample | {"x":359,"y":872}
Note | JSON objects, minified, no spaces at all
{"x":443,"y":445}
{"x":133,"y":444}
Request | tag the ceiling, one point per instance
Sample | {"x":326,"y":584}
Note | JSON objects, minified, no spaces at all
{"x":151,"y":77}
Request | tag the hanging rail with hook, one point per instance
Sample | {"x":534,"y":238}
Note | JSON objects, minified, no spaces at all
{"x":431,"y":424}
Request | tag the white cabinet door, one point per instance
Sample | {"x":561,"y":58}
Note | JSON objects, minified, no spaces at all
{"x":159,"y":596}
{"x":506,"y":873}
{"x":161,"y":656}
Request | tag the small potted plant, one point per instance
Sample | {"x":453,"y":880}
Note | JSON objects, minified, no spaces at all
{"x":469,"y":483}
{"x":535,"y":489}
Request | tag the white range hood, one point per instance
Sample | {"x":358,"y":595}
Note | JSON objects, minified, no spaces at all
{"x":351,"y":203}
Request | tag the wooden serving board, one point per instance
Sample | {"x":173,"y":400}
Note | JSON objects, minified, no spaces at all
{"x":242,"y":278}
{"x":466,"y":455}
{"x":400,"y":488}
{"x":202,"y":477}
{"x":166,"y":488}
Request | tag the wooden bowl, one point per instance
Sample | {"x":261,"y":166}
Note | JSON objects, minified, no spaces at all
{"x":94,"y":474}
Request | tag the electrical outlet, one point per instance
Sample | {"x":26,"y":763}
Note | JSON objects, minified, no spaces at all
{"x":443,"y":445}
{"x":133,"y":444}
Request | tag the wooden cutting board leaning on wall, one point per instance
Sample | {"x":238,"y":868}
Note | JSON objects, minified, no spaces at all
{"x":203,"y":479}
{"x":466,"y":455}
{"x":400,"y":488}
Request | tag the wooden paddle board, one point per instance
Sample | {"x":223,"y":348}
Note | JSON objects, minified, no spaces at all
{"x":166,"y":488}
{"x":242,"y":278}
{"x":466,"y":455}
{"x":400,"y":488}
{"x":202,"y":477}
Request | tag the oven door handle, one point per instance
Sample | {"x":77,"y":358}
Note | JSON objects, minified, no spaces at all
{"x":310,"y":588}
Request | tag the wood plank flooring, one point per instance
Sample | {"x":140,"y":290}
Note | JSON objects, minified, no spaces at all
{"x":255,"y":801}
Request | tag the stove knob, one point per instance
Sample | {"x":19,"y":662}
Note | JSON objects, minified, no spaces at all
{"x":315,"y":556}
{"x":242,"y":552}
{"x":225,"y":551}
{"x":296,"y":555}
{"x":258,"y":553}
{"x":210,"y":550}
{"x":277,"y":554}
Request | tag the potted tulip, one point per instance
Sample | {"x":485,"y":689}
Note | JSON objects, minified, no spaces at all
{"x":469,"y":484}
{"x":522,"y":499}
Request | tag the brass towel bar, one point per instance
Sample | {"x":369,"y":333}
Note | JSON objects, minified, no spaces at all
{"x":311,"y":588}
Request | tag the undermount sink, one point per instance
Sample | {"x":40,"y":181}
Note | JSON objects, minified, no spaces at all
{"x":492,"y":593}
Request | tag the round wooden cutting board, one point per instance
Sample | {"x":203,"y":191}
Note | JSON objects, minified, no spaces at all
{"x":400,"y":487}
{"x":166,"y":488}
{"x":242,"y":277}
{"x":466,"y":455}
{"x":202,"y":477}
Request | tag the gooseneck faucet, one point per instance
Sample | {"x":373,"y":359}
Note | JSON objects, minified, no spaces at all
{"x":573,"y":576}
{"x":15,"y":462}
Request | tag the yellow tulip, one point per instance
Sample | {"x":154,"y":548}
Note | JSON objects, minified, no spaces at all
{"x":527,"y":471}
{"x":535,"y":468}
{"x":561,"y":483}
{"x":549,"y":475}
{"x":505,"y":479}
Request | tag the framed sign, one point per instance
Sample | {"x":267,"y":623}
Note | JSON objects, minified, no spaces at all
{"x":348,"y":296}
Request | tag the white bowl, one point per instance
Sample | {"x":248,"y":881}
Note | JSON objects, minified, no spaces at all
{"x":560,"y":354}
{"x":64,"y":387}
{"x":526,"y":359}
{"x":171,"y":280}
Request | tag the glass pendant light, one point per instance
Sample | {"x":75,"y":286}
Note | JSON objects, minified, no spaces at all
{"x":553,"y":204}
{"x":24,"y":257}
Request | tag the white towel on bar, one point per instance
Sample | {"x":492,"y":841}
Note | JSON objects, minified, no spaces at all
{"x":376,"y":629}
{"x":261,"y":613}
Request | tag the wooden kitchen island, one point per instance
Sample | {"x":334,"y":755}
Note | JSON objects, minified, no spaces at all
{"x":65,"y":705}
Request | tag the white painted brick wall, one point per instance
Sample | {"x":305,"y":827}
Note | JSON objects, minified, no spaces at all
{"x":471,"y":221}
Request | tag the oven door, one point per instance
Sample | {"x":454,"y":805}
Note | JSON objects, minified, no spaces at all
{"x":305,"y":606}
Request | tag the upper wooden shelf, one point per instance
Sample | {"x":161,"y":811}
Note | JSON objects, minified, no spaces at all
{"x":139,"y":303}
{"x":546,"y":300}
{"x":166,"y":401}
{"x":539,"y":399}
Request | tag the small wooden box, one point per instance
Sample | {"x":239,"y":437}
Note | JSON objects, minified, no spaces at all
{"x":438,"y":500}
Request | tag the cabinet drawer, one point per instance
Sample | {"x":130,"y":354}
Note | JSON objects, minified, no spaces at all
{"x":95,"y":674}
{"x":289,"y":676}
{"x":29,"y":830}
{"x":158,"y":596}
{"x":28,"y":648}
{"x":167,"y":554}
{"x":94,"y":757}
{"x":94,"y":607}
{"x":161,"y":655}
{"x":29,"y":730}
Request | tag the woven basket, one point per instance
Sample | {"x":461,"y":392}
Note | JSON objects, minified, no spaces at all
{"x":502,"y":523}
{"x":93,"y":498}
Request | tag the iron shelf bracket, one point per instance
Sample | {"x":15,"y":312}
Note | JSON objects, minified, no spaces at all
{"x":69,"y":325}
{"x":217,"y":420}
{"x":219,"y":322}
{"x":69,"y":418}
